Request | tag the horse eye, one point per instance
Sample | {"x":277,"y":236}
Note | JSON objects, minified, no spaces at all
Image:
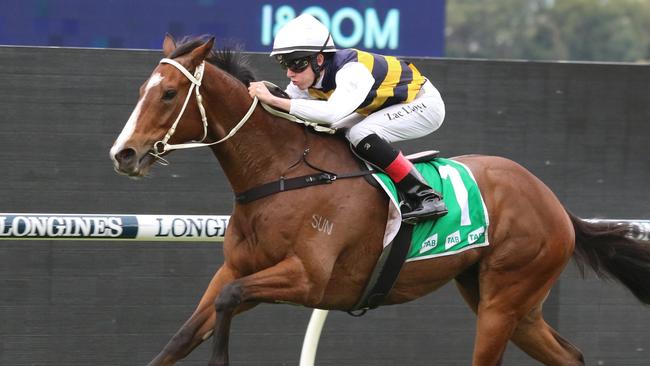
{"x":169,"y":94}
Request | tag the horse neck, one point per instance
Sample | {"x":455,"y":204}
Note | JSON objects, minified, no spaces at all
{"x":262,"y":149}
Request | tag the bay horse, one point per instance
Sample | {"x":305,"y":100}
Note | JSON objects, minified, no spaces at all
{"x":274,"y":254}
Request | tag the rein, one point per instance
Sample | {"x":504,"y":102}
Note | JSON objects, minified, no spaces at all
{"x":162,"y":146}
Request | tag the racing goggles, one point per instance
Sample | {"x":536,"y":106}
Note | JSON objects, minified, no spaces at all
{"x":296,"y":65}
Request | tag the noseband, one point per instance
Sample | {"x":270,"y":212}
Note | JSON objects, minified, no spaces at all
{"x":162,"y":146}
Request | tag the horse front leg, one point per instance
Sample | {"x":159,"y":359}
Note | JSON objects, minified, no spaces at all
{"x":200,"y":325}
{"x":287,"y":281}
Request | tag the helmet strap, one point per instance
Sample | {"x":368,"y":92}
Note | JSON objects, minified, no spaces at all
{"x":316,"y":68}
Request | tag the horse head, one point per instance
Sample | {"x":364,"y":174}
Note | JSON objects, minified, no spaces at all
{"x":197,"y":97}
{"x":167,"y":111}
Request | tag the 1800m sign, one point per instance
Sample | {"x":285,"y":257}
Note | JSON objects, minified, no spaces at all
{"x":404,"y":28}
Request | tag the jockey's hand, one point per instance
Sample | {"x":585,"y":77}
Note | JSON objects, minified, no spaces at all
{"x":259,"y":90}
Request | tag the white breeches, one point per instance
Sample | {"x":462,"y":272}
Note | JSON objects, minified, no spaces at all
{"x":399,"y":122}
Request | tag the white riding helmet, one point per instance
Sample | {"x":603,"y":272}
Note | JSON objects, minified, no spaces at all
{"x":303,"y":34}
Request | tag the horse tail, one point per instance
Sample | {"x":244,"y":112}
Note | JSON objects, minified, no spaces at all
{"x":616,"y":250}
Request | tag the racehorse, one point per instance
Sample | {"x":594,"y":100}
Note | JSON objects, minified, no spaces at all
{"x":274,"y":254}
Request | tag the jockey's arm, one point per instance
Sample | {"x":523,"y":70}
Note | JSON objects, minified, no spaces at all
{"x":353,"y":83}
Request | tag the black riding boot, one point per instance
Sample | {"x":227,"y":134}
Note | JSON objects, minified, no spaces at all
{"x":421,"y":202}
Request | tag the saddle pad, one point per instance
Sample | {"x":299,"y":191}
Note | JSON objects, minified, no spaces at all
{"x":463,"y":227}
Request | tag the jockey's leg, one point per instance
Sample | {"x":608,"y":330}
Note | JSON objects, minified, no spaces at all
{"x":420,"y":200}
{"x":372,"y":138}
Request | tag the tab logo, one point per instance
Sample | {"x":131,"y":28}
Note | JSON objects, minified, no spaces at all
{"x":429,"y":244}
{"x":475,"y":235}
{"x":452,"y":239}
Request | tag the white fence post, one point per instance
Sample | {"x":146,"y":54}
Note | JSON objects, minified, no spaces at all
{"x":312,"y":336}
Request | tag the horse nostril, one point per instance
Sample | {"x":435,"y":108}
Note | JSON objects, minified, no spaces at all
{"x":125,"y":156}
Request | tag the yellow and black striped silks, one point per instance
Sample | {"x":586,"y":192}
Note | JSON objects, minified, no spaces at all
{"x":396,"y":81}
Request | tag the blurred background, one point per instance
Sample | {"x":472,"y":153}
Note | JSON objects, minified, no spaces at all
{"x":576,"y":30}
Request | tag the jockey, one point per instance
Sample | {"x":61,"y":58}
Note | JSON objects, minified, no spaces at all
{"x":376,"y":99}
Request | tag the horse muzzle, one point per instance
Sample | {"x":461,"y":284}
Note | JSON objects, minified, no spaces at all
{"x":128,"y":162}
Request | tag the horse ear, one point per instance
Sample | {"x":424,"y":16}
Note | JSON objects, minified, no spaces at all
{"x":169,"y":45}
{"x":201,"y":52}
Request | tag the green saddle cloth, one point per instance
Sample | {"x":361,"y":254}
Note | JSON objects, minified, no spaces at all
{"x":463,"y":227}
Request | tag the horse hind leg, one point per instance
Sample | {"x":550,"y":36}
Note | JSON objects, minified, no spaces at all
{"x":514,"y":281}
{"x":535,"y":337}
{"x":468,"y":286}
{"x":532,"y":335}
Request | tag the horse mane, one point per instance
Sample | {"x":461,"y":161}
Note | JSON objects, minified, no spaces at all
{"x":229,"y":59}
